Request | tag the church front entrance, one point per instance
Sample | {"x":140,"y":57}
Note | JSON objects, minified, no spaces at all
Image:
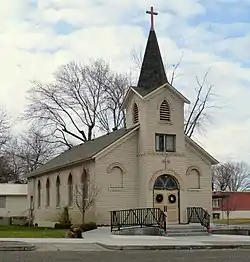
{"x":166,"y":197}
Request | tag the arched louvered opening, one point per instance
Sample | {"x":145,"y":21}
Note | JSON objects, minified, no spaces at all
{"x":135,"y":114}
{"x":165,"y":111}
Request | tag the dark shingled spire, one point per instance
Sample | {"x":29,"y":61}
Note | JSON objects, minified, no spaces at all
{"x":152,"y":73}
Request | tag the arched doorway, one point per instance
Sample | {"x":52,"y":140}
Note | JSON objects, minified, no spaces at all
{"x":167,"y":197}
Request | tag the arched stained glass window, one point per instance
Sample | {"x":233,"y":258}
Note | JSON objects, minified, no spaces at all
{"x":166,"y":182}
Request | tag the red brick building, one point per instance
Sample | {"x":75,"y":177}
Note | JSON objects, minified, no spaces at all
{"x":232,"y":204}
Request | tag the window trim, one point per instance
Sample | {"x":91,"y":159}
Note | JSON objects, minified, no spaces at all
{"x":122,"y":178}
{"x":3,"y":198}
{"x":164,"y":142}
{"x":216,"y":200}
{"x":199,"y":173}
{"x":216,"y":216}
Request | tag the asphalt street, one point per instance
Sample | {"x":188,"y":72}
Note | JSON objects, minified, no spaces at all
{"x":126,"y":256}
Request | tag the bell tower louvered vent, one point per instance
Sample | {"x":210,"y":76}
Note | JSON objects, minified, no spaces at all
{"x":135,"y":114}
{"x":165,"y":111}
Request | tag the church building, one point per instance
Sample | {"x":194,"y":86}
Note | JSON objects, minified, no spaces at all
{"x":150,"y":163}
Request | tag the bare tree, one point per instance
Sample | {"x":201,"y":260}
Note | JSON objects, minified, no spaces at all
{"x":6,"y":173}
{"x":198,"y":115}
{"x":227,"y":205}
{"x":4,"y":127}
{"x":83,"y":98}
{"x":111,"y":115}
{"x":85,"y":194}
{"x":28,"y":151}
{"x":231,"y":176}
{"x":137,"y":57}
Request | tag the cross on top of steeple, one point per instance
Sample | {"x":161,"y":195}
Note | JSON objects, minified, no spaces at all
{"x":152,"y":73}
{"x":152,"y":13}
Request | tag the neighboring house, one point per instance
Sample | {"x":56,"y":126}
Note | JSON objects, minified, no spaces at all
{"x":13,"y":202}
{"x":150,"y":163}
{"x":231,"y":204}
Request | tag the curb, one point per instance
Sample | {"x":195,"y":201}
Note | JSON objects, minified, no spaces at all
{"x":175,"y":247}
{"x":17,"y":248}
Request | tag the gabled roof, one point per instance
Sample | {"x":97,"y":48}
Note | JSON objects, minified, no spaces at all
{"x":81,"y":152}
{"x":202,"y":150}
{"x":144,"y":95}
{"x":152,"y":73}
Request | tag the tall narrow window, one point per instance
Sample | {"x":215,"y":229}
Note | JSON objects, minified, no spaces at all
{"x":47,"y":192}
{"x":58,"y":197}
{"x":39,"y":194}
{"x":135,"y":114}
{"x":165,"y":111}
{"x":31,"y":202}
{"x":85,"y":184}
{"x":70,"y":190}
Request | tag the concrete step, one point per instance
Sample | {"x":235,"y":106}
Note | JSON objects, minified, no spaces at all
{"x":184,"y":234}
{"x":186,"y":230}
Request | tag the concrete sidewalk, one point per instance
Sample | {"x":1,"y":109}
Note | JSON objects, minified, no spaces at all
{"x":101,"y":239}
{"x":9,"y":245}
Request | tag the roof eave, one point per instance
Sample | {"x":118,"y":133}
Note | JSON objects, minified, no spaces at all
{"x":182,"y":97}
{"x":127,"y":96}
{"x":36,"y":174}
{"x":213,"y":160}
{"x":135,"y":127}
{"x":178,"y":93}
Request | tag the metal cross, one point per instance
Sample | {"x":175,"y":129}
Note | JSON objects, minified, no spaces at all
{"x":165,"y":161}
{"x":152,"y":13}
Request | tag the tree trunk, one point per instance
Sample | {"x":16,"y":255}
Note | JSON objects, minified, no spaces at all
{"x":83,"y":216}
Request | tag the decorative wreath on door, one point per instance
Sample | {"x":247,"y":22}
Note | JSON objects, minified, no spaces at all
{"x":159,"y":198}
{"x":172,"y":199}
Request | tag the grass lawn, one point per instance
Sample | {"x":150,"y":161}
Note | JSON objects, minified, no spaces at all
{"x":233,"y":221}
{"x":30,"y":232}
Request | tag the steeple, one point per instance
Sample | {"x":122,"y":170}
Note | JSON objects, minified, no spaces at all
{"x":152,"y":73}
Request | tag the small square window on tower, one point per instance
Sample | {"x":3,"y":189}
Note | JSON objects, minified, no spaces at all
{"x":165,"y":143}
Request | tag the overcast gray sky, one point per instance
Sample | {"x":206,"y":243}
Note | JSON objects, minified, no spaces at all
{"x":39,"y":35}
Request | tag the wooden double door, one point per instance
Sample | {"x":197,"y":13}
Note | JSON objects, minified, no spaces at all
{"x":168,"y":202}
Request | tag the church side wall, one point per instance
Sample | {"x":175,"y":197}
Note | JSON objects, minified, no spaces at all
{"x":199,"y":197}
{"x":48,"y":216}
{"x":114,"y":196}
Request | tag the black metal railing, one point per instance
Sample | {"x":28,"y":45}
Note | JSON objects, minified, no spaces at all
{"x":198,"y":215}
{"x":141,"y":217}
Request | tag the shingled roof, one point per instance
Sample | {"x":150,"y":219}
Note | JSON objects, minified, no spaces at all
{"x":152,"y":73}
{"x":81,"y":152}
